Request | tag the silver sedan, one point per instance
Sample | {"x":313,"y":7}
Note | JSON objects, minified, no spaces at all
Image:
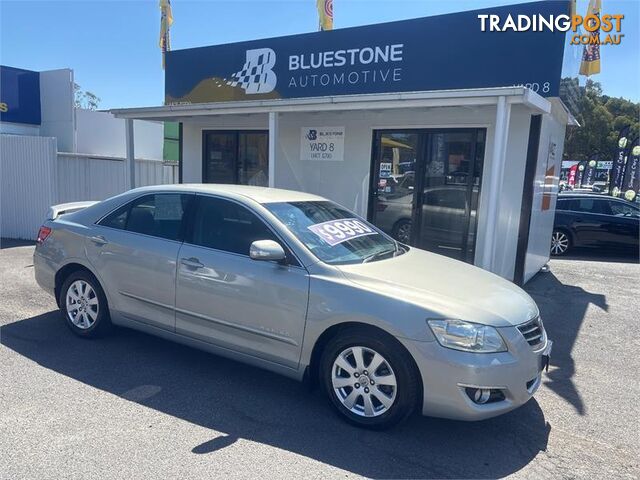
{"x":299,"y":285}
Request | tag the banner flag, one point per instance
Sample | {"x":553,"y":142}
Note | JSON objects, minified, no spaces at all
{"x":166,"y":20}
{"x":590,"y":170}
{"x":573,"y":171}
{"x":590,"y":64}
{"x":631,"y":182}
{"x":619,"y":160}
{"x":581,"y":167}
{"x":325,"y":14}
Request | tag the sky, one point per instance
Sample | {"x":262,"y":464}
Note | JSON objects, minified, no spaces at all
{"x":112,"y":45}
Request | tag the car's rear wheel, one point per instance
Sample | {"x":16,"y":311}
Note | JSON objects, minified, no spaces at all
{"x":560,"y":242}
{"x":84,"y":305}
{"x":370,"y":380}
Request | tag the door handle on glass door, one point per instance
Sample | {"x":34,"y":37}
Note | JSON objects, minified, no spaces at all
{"x":192,"y":262}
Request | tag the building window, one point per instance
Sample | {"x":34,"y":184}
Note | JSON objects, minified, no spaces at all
{"x":236,"y":157}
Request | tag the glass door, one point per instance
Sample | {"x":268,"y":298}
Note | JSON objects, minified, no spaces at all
{"x":253,"y":158}
{"x":426,"y":188}
{"x":235,"y":157}
{"x":394,"y":173}
{"x":450,"y":187}
{"x":219,"y":162}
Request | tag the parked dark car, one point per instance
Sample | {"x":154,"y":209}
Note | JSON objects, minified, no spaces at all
{"x":592,"y":220}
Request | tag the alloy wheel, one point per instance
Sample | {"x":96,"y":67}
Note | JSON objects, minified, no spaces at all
{"x":403,"y":235}
{"x":82,"y":304}
{"x":559,"y":243}
{"x":364,"y":381}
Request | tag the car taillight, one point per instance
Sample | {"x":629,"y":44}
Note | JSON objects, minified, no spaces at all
{"x":43,"y":233}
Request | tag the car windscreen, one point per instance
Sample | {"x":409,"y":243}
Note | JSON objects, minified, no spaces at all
{"x":334,"y":234}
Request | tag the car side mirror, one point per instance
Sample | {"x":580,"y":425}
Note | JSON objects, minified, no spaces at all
{"x":268,"y":250}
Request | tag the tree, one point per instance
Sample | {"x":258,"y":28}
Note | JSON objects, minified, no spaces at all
{"x":601,"y":117}
{"x":85,"y":99}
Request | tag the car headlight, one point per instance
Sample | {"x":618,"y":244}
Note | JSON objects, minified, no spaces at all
{"x":467,"y":336}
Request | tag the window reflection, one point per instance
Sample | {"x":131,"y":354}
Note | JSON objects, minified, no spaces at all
{"x":236,"y":157}
{"x":427,"y":188}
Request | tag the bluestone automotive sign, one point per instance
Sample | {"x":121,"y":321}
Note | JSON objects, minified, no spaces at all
{"x":433,"y":53}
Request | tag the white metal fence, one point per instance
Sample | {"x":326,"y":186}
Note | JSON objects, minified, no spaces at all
{"x":90,"y":177}
{"x":27,"y":183}
{"x":33,"y":177}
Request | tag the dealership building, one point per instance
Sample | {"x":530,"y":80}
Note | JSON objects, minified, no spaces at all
{"x":447,"y":137}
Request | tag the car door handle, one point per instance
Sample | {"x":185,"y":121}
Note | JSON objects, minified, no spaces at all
{"x":98,"y":239}
{"x":192,"y":262}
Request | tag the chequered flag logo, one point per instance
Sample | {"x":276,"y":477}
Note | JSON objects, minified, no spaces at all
{"x":257,"y":75}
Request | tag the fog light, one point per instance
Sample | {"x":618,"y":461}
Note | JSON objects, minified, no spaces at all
{"x":484,"y":395}
{"x":481,"y":395}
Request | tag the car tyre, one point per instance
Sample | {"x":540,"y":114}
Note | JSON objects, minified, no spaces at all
{"x":560,"y":242}
{"x":402,"y":231}
{"x":349,"y":381}
{"x":84,"y":305}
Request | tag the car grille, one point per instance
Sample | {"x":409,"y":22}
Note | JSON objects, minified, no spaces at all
{"x":532,"y":331}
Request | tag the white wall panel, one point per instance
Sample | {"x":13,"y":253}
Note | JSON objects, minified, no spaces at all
{"x":57,"y":100}
{"x":100,"y":133}
{"x":552,"y":132}
{"x":27,"y":183}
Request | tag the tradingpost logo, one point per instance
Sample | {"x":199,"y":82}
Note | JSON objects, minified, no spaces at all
{"x":257,"y":75}
{"x":593,"y":24}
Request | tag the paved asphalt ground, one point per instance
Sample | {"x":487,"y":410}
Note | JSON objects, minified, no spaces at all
{"x":133,"y":406}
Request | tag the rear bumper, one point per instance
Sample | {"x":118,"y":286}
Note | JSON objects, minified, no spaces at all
{"x":447,"y":373}
{"x":45,"y":273}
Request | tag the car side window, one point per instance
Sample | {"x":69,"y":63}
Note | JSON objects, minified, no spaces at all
{"x":157,"y":215}
{"x":227,"y":226}
{"x":564,"y":204}
{"x":621,"y":209}
{"x":117,"y":219}
{"x":602,"y":206}
{"x":446,"y":198}
{"x":587,"y":205}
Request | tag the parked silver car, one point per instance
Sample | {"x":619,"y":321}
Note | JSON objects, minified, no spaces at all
{"x":296,"y":284}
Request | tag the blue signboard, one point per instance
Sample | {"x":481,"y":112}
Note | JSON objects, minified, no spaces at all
{"x":432,"y":53}
{"x":19,"y":95}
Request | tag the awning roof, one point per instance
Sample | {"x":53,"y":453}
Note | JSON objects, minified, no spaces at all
{"x":439,"y":98}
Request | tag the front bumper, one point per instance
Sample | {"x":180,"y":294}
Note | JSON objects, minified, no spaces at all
{"x":447,"y":373}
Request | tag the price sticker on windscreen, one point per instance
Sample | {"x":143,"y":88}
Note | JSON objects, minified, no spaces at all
{"x":337,"y":231}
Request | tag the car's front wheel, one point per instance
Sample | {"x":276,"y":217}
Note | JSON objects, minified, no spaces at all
{"x":560,"y":242}
{"x":84,"y":305}
{"x":370,"y":379}
{"x":402,"y":231}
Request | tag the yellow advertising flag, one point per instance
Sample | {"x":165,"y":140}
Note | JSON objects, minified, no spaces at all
{"x":325,"y":14}
{"x":590,"y":64}
{"x":166,"y":20}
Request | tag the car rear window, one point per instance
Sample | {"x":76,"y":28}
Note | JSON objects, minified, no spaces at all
{"x":157,"y":215}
